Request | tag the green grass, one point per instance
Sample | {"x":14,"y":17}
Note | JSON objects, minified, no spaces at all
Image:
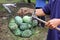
{"x":12,"y":1}
{"x":2,"y":8}
{"x":8,"y":1}
{"x":33,"y":1}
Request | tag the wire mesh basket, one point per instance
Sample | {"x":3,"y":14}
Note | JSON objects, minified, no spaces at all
{"x":14,"y":14}
{"x":19,"y":5}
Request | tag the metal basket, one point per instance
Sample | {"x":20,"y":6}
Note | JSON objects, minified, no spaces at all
{"x":13,"y":8}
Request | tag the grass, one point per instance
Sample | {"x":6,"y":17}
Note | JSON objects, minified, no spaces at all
{"x":8,"y":1}
{"x":12,"y":1}
{"x":33,"y":1}
{"x":2,"y":8}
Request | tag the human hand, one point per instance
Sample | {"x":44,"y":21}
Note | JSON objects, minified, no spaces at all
{"x":53,"y":23}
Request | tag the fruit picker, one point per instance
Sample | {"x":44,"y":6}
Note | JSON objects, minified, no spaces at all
{"x":52,"y":9}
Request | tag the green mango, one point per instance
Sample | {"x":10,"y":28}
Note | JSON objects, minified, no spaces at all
{"x":13,"y":26}
{"x":26,"y":33}
{"x":18,"y":20}
{"x":29,"y":26}
{"x":17,"y":32}
{"x":25,"y":26}
{"x":27,"y":19}
{"x":34,"y":23}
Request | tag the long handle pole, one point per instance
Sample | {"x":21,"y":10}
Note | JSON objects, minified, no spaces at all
{"x":45,"y":22}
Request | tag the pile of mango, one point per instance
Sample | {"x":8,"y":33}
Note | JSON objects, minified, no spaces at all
{"x":22,"y":26}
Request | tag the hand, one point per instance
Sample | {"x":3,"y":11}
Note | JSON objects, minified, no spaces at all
{"x":53,"y":23}
{"x":40,"y":12}
{"x":24,"y":10}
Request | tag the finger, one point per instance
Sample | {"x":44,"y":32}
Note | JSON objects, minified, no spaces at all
{"x":49,"y":25}
{"x":54,"y":26}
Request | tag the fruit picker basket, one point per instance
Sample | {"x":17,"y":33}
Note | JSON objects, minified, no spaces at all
{"x":21,"y":25}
